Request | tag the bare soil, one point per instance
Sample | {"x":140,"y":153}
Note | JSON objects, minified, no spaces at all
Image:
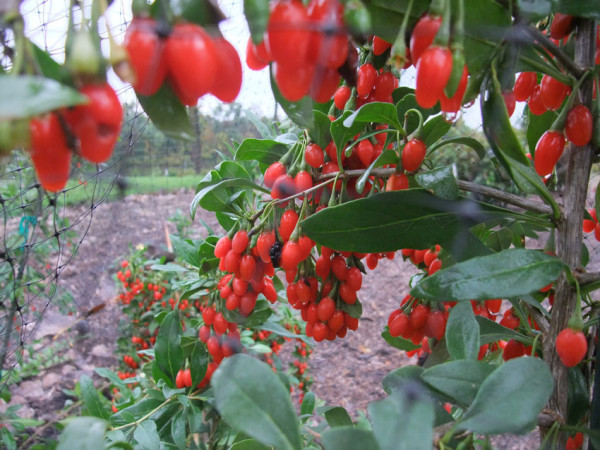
{"x":347,"y":372}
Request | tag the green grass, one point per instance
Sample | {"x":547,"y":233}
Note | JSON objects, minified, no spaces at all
{"x":101,"y":187}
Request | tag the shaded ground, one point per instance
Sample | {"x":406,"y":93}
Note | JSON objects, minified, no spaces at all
{"x":347,"y":372}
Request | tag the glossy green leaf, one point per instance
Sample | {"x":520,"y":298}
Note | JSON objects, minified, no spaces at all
{"x":398,"y":342}
{"x":27,"y":95}
{"x":83,"y":433}
{"x":167,"y":113}
{"x":374,"y":112}
{"x":349,"y":438}
{"x":440,"y":181}
{"x":308,"y":404}
{"x":459,"y":380}
{"x":218,"y":197}
{"x":538,"y":125}
{"x":135,"y":411}
{"x":185,"y":249}
{"x":257,"y":15}
{"x":534,"y":10}
{"x":278,"y":329}
{"x":178,"y":428}
{"x":462,"y":332}
{"x":338,"y":417}
{"x":491,"y":331}
{"x":404,"y":420}
{"x":201,"y":13}
{"x":168,"y":352}
{"x":92,"y":399}
{"x":395,"y":220}
{"x":265,"y":151}
{"x":467,"y":141}
{"x":249,"y":444}
{"x":399,"y":377}
{"x":49,"y":67}
{"x":578,"y":402}
{"x":486,"y":23}
{"x":198,"y":362}
{"x":434,"y":129}
{"x":320,"y":133}
{"x":510,"y":398}
{"x":252,"y":399}
{"x":341,"y":134}
{"x":147,"y":436}
{"x":499,"y":240}
{"x":506,"y":274}
{"x":590,"y":9}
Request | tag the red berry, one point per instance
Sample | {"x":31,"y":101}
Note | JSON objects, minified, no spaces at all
{"x":553,"y":92}
{"x":579,"y":126}
{"x":273,"y":172}
{"x":365,"y":80}
{"x":571,"y":346}
{"x":240,"y":241}
{"x":548,"y":151}
{"x":228,"y":80}
{"x":526,"y":82}
{"x":341,"y":97}
{"x":413,"y":155}
{"x":433,"y":72}
{"x":380,"y":45}
{"x":313,"y":155}
{"x":422,"y":36}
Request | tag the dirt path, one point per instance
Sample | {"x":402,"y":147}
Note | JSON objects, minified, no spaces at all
{"x":347,"y":372}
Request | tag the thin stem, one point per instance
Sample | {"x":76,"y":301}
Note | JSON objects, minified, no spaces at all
{"x":565,"y":60}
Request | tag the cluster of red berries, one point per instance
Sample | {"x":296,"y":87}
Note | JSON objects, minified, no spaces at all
{"x":307,"y":46}
{"x":222,"y":338}
{"x":131,"y":362}
{"x":247,"y":273}
{"x":95,"y":125}
{"x":186,"y":56}
{"x":371,"y":86}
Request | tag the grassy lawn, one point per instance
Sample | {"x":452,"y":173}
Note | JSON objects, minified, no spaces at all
{"x":99,"y":188}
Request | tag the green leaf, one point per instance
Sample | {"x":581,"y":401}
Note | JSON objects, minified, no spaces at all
{"x":91,"y":398}
{"x":404,"y":420}
{"x":395,"y":220}
{"x":49,"y":67}
{"x":462,"y":332}
{"x":185,"y":249}
{"x":534,"y":10}
{"x":434,"y":129}
{"x":262,"y":311}
{"x":135,"y":412}
{"x":399,"y":377}
{"x":257,"y":16}
{"x":147,"y":436}
{"x":252,"y":399}
{"x":264,"y":151}
{"x":374,"y":112}
{"x":538,"y":125}
{"x":83,"y":433}
{"x":341,"y":133}
{"x":279,"y":330}
{"x":441,"y":181}
{"x":249,"y":444}
{"x":578,"y":402}
{"x":357,"y":17}
{"x":338,"y":417}
{"x":168,"y":352}
{"x":459,"y":380}
{"x":25,"y":96}
{"x":467,"y":141}
{"x":218,"y":197}
{"x":308,"y":403}
{"x":485,"y":23}
{"x":589,"y":9}
{"x":178,"y":428}
{"x":349,"y":438}
{"x":167,"y":113}
{"x":198,"y":362}
{"x":510,"y":398}
{"x":201,"y":13}
{"x":320,"y":133}
{"x":398,"y":342}
{"x":500,"y":240}
{"x":510,"y":273}
{"x":232,"y":169}
{"x":491,"y":331}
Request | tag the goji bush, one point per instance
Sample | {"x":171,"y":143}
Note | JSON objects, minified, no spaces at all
{"x":309,"y":210}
